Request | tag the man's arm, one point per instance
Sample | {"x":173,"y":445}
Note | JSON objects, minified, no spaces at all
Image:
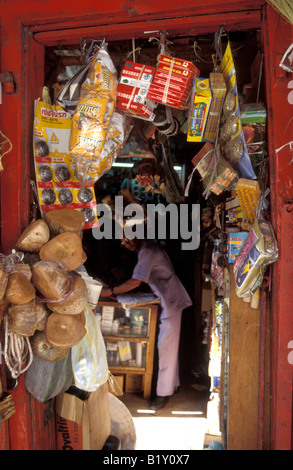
{"x":124,"y":287}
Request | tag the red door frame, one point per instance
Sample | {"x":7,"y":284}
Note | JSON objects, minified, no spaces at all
{"x":278,"y":36}
{"x":26,"y":26}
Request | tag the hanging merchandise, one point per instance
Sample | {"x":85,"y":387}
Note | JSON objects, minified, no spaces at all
{"x":253,"y":119}
{"x":206,"y":105}
{"x":132,"y":91}
{"x":199,"y":110}
{"x":259,"y":250}
{"x":114,"y":139}
{"x":248,"y":194}
{"x":235,"y":243}
{"x":231,"y":137}
{"x":218,"y":91}
{"x":46,"y":379}
{"x":57,"y":184}
{"x":89,"y":360}
{"x":94,"y":122}
{"x":217,"y":174}
{"x":68,"y":96}
{"x":173,"y":81}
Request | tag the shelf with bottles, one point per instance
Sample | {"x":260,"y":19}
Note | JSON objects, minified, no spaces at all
{"x":123,"y":322}
{"x":126,"y":354}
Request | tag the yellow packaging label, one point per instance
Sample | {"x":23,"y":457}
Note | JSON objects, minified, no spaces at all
{"x":199,"y":111}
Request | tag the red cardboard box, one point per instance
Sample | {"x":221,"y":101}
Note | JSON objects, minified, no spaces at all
{"x":135,"y":109}
{"x":166,"y":90}
{"x":181,"y":63}
{"x":163,"y":74}
{"x":132,"y":93}
{"x":141,"y":72}
{"x":167,"y":100}
{"x":169,"y":70}
{"x":173,"y":85}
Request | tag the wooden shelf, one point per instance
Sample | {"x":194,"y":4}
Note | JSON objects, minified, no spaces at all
{"x":147,"y":371}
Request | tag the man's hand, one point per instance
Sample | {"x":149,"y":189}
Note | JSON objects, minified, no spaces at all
{"x":106,"y":292}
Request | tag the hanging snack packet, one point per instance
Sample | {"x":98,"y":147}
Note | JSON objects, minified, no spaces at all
{"x":230,"y":125}
{"x":259,"y":250}
{"x":94,"y":110}
{"x":112,"y":144}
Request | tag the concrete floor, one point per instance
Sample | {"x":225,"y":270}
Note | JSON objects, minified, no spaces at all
{"x":188,"y":422}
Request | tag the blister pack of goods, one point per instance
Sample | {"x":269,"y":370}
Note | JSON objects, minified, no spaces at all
{"x":173,"y":81}
{"x":215,"y":171}
{"x":231,"y":137}
{"x":57,"y":182}
{"x":253,"y":119}
{"x":259,"y":250}
{"x":132,"y":90}
{"x":248,"y":194}
{"x":92,"y":117}
{"x":199,"y":109}
{"x":218,"y":91}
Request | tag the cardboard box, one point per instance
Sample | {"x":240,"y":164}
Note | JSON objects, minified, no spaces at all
{"x":164,"y":74}
{"x":132,"y":90}
{"x":199,"y":110}
{"x":172,"y":82}
{"x":180,"y":63}
{"x":138,"y":71}
{"x":218,"y":90}
{"x":173,"y":72}
{"x":138,"y":110}
{"x":108,"y":313}
{"x":235,"y":243}
{"x":133,"y":383}
{"x":173,"y":85}
{"x":95,"y":426}
{"x":166,"y":90}
{"x":165,"y":98}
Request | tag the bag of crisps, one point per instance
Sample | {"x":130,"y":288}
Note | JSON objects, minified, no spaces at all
{"x":94,"y":110}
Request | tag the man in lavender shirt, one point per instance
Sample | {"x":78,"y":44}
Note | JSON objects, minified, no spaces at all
{"x":155,"y":268}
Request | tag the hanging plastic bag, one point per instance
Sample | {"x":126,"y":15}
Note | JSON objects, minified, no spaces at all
{"x":45,"y":380}
{"x":259,"y":250}
{"x":69,"y":95}
{"x":89,"y":360}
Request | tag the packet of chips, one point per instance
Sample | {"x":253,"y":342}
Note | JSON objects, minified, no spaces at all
{"x":259,"y":250}
{"x":93,"y":113}
{"x":114,"y":139}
